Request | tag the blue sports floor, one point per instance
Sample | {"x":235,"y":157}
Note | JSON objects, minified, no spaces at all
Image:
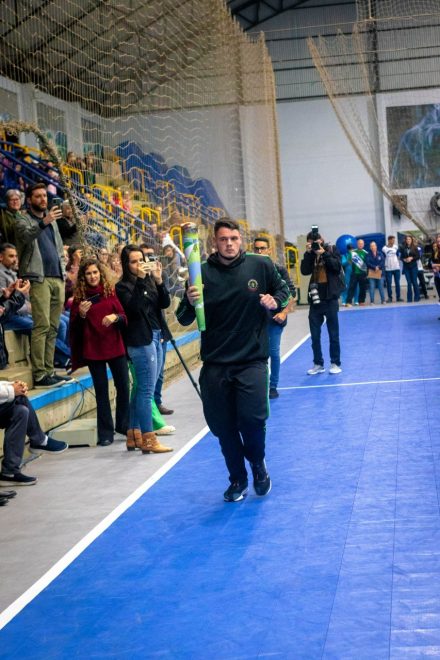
{"x":341,"y":560}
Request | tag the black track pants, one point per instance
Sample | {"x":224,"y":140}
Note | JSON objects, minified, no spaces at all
{"x":235,"y":404}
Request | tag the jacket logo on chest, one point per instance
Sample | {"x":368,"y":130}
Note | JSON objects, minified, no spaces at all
{"x":252,"y":285}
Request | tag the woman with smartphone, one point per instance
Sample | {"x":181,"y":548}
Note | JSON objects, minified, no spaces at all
{"x":143,"y":295}
{"x":96,"y":323}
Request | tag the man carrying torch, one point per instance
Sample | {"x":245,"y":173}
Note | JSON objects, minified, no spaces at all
{"x":238,"y":290}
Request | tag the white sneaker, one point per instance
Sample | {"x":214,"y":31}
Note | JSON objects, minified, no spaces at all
{"x":334,"y":369}
{"x":166,"y":430}
{"x":316,"y":369}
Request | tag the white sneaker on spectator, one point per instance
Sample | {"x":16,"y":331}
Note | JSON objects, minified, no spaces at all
{"x":316,"y":369}
{"x":166,"y":430}
{"x":334,"y":369}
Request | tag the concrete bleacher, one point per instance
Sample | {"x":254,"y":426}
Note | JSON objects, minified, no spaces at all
{"x":56,"y":406}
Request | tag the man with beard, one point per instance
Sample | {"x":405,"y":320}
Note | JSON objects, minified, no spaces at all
{"x":41,"y":261}
{"x":239,"y":288}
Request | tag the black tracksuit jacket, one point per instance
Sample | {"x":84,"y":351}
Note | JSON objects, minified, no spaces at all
{"x":236,"y":322}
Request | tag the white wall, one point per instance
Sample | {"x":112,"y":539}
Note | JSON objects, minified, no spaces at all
{"x":324,"y":182}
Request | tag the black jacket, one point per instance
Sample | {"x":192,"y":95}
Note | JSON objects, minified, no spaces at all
{"x":141,"y":298}
{"x":332,"y":263}
{"x":236,"y":323}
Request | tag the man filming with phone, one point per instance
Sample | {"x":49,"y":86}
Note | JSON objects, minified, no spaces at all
{"x":323,"y":262}
{"x":41,"y":261}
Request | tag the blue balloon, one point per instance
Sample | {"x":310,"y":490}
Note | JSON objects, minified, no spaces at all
{"x":344,"y":241}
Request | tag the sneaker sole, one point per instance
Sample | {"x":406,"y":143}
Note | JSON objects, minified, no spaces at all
{"x":48,"y":387}
{"x":315,"y":373}
{"x":238,"y":499}
{"x":17,"y":483}
{"x":49,"y":451}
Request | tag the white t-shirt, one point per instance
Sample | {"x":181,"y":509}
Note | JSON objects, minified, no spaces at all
{"x":392,"y":261}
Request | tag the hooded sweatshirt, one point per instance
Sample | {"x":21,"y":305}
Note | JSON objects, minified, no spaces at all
{"x":236,"y":322}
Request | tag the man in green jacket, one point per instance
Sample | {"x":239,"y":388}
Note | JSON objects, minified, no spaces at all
{"x":358,"y":274}
{"x":9,"y":216}
{"x":41,"y":261}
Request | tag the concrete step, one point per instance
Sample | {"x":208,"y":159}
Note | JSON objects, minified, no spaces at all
{"x":59,"y":406}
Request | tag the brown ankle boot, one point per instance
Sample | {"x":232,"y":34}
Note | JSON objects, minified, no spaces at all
{"x":134,"y":439}
{"x":151,"y":444}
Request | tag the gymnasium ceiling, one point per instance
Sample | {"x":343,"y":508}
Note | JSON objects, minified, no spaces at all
{"x":253,"y":13}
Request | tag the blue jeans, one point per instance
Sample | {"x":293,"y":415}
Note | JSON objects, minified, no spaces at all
{"x":275,"y":332}
{"x":411,"y":274}
{"x":147,"y":361}
{"x":62,"y":345}
{"x":389,"y":275}
{"x":21,"y":324}
{"x":376,"y":284}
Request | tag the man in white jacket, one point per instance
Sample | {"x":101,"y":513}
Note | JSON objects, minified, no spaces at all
{"x":19,"y":420}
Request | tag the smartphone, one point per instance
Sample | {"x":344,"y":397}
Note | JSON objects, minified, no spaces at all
{"x":57,"y":201}
{"x":94,"y":299}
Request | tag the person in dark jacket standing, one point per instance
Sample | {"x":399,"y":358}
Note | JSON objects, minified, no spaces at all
{"x":239,"y":289}
{"x":143,"y":296}
{"x":409,"y":254}
{"x":375,"y":264}
{"x":323,"y":263}
{"x":277,"y":321}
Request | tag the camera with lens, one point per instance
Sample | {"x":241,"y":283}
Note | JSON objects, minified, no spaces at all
{"x":152,"y":257}
{"x":315,"y":238}
{"x":314,"y":294}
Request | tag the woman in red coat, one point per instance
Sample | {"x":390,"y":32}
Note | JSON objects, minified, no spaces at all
{"x":96,"y":321}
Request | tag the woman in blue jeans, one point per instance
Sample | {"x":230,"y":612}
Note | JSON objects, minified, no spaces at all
{"x":409,"y":254}
{"x":143,"y":295}
{"x":375,"y":264}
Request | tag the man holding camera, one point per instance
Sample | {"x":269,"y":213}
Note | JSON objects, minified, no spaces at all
{"x":323,"y":262}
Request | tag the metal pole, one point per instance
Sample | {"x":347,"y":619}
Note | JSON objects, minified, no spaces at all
{"x":185,"y":366}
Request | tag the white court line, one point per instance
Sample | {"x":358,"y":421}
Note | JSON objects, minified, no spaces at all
{"x":20,"y":603}
{"x":295,"y":348}
{"x":33,"y":591}
{"x":367,"y":382}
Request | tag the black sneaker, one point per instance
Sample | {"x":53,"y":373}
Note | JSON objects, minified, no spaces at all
{"x":18,"y":479}
{"x":262,"y":482}
{"x":9,"y":494}
{"x":48,"y":381}
{"x":62,"y":379}
{"x":273,"y":393}
{"x":237,"y":491}
{"x":56,"y":446}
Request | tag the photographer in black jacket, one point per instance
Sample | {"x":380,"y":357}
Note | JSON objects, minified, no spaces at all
{"x":323,"y":262}
{"x":238,"y":290}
